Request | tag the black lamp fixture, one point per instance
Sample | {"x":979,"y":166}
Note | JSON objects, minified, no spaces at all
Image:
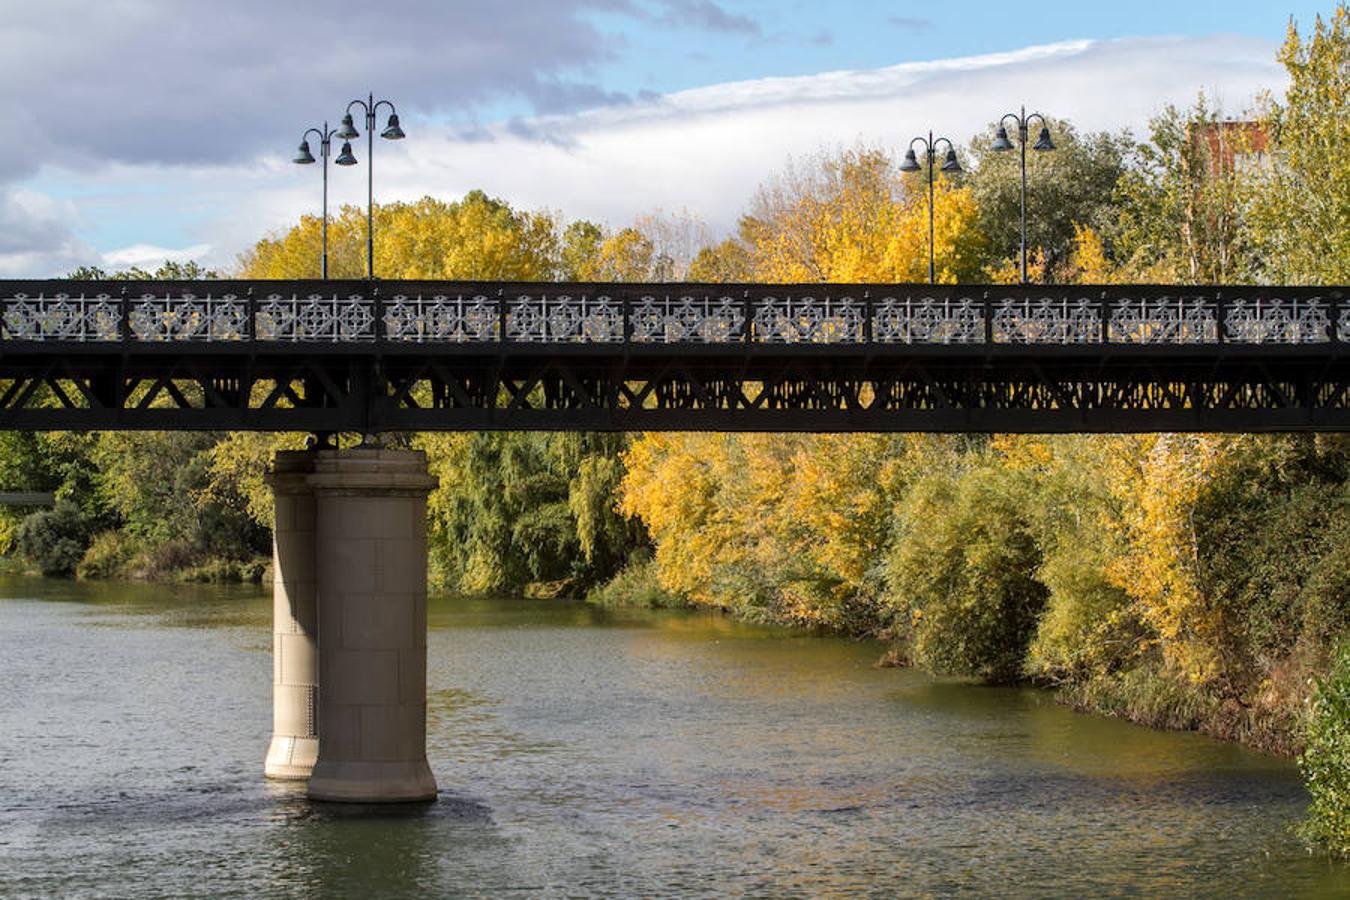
{"x":348,"y":132}
{"x":951,"y":165}
{"x":305,"y":157}
{"x":1002,"y":145}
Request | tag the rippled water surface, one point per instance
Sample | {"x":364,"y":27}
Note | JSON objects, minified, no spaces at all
{"x":586,"y":752}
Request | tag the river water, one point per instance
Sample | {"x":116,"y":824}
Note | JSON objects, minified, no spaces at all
{"x":585,"y":752}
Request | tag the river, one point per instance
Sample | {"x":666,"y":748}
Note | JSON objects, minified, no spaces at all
{"x":582,"y":751}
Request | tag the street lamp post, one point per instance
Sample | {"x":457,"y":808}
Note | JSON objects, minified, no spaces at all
{"x":304,"y":157}
{"x":392,"y":132}
{"x":911,"y":164}
{"x":1002,"y":144}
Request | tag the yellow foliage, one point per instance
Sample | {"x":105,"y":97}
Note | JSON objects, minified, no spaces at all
{"x":853,"y":219}
{"x":1087,"y":258}
{"x":1159,"y":569}
{"x":238,"y":464}
{"x":474,"y":238}
{"x":790,"y":527}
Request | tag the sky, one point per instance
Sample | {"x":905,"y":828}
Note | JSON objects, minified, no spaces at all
{"x":140,"y":130}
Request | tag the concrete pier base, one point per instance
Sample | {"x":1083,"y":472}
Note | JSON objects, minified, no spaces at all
{"x":371,"y":553}
{"x":295,"y":659}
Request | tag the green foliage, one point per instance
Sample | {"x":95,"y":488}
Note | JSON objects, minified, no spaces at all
{"x":1070,"y":186}
{"x":637,"y":585}
{"x":109,"y":556}
{"x":962,"y":573}
{"x":158,"y":484}
{"x":1301,"y":214}
{"x":55,"y":539}
{"x":1148,"y":694}
{"x":218,"y":571}
{"x":1183,"y":206}
{"x":1273,"y":538}
{"x":168,"y":271}
{"x":1325,"y":761}
{"x":1089,"y":626}
{"x":514,"y":509}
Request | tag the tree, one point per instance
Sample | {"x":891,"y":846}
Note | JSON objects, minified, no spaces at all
{"x":1301,"y":211}
{"x":853,"y":218}
{"x":514,"y":509}
{"x":627,"y":255}
{"x":55,"y":539}
{"x":1183,"y":204}
{"x":580,"y":245}
{"x":727,"y":262}
{"x":962,"y":569}
{"x":477,"y":237}
{"x":168,"y":271}
{"x":1068,"y":189}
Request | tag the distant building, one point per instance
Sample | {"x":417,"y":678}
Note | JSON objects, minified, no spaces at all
{"x":1233,"y":146}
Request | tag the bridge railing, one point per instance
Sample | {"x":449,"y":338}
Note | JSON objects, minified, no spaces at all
{"x":455,"y":313}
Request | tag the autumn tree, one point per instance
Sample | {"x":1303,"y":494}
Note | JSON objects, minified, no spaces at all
{"x":852,"y":217}
{"x":476,"y":238}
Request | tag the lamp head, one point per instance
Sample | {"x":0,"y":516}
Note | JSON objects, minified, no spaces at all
{"x":348,"y":130}
{"x":392,"y":132}
{"x":1043,"y":142}
{"x":303,"y":157}
{"x":952,"y":165}
{"x":910,"y":163}
{"x":345,"y":158}
{"x":1001,"y":142}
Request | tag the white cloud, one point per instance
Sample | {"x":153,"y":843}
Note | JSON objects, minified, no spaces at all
{"x":705,"y":150}
{"x":708,"y":149}
{"x":148,"y":256}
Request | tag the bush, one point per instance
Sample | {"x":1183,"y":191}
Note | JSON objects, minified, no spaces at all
{"x":163,"y":561}
{"x":1325,"y":761}
{"x":219,"y":571}
{"x":1148,"y":694}
{"x":107,"y":557}
{"x":961,"y":574}
{"x":636,"y":585}
{"x":55,"y":539}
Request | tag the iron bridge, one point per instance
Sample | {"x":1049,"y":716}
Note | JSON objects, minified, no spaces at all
{"x":370,"y":357}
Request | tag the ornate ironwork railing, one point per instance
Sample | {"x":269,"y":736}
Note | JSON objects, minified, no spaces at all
{"x":665,"y":315}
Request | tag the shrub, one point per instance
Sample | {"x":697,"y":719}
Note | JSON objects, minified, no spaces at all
{"x":636,"y":585}
{"x":961,"y":575}
{"x":1325,"y":761}
{"x":107,"y":557}
{"x":227,"y":571}
{"x":55,"y":539}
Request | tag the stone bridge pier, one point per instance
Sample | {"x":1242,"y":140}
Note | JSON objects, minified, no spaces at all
{"x":350,"y":642}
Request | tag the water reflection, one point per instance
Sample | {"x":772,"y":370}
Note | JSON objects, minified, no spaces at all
{"x":585,"y":751}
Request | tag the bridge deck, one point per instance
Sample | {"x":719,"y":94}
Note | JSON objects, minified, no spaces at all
{"x":383,"y":356}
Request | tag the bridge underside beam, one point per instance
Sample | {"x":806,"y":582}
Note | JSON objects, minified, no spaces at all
{"x":1014,"y":391}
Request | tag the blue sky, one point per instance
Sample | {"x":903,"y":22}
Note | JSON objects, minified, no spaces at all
{"x":803,"y":38}
{"x":163,"y":128}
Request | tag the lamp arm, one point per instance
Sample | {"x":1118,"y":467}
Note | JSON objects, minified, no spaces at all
{"x":1044,"y":123}
{"x":923,"y":141}
{"x":943,"y":140}
{"x":361,"y":103}
{"x":1015,"y":117}
{"x":376,"y":108}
